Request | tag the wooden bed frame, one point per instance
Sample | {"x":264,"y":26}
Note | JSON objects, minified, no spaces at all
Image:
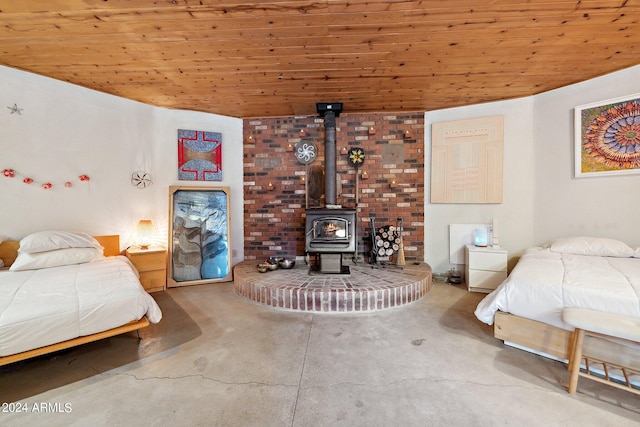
{"x":554,"y":342}
{"x":532,"y":334}
{"x":111,"y":244}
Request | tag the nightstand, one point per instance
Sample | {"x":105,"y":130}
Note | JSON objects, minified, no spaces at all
{"x":485,"y":267}
{"x":152,"y":265}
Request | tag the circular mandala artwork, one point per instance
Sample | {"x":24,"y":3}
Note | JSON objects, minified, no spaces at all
{"x":306,"y":152}
{"x":612,"y":138}
{"x":141,"y":179}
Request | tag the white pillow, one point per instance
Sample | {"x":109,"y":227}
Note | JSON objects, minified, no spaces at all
{"x":59,"y":257}
{"x":594,"y":246}
{"x":43,"y":241}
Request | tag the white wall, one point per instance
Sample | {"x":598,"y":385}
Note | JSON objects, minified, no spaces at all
{"x":542,"y":199}
{"x":515,"y":215}
{"x":594,"y":206}
{"x":64,"y":131}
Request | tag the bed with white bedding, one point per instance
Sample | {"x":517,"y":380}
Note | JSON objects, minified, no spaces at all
{"x":70,"y":296}
{"x":592,"y":273}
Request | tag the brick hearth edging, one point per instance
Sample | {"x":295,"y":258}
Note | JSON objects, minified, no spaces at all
{"x":364,"y":290}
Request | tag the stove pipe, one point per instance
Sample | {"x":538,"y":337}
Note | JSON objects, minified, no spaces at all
{"x":329,"y":158}
{"x":329,"y":111}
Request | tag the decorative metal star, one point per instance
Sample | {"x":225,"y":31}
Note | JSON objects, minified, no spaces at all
{"x":15,"y":109}
{"x":356,"y":156}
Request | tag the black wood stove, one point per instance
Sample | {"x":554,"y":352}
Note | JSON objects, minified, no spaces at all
{"x":330,"y":231}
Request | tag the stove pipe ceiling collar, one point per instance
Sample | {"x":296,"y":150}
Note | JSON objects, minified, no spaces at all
{"x":329,"y":111}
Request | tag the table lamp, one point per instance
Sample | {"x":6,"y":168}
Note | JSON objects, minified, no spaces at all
{"x":144,"y":233}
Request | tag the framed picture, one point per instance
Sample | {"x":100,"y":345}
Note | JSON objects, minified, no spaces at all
{"x":199,"y":155}
{"x":607,"y":137}
{"x":467,"y":158}
{"x":199,"y":235}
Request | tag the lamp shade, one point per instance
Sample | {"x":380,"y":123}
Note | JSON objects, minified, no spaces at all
{"x":480,"y":237}
{"x":144,"y":233}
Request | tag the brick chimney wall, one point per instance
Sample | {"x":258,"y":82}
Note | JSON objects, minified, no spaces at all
{"x":274,"y":221}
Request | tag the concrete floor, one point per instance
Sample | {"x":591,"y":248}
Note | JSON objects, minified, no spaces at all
{"x":217,"y":359}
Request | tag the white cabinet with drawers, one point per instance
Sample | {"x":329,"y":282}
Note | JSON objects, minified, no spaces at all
{"x":485,"y":267}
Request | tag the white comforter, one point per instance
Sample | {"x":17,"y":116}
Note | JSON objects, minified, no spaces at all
{"x":543,"y":282}
{"x":43,"y":307}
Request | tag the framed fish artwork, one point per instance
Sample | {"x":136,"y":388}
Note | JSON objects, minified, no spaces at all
{"x":199,"y":235}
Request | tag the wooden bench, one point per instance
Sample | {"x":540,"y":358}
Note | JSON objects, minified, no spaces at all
{"x":610,"y":327}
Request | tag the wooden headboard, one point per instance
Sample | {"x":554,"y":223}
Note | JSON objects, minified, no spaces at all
{"x":9,"y":249}
{"x":110,"y":243}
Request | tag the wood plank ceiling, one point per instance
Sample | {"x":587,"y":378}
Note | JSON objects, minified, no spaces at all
{"x":278,"y":58}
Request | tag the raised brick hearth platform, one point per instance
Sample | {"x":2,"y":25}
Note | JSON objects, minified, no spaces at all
{"x":366,"y":289}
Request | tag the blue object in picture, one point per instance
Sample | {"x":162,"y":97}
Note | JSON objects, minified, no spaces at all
{"x":480,"y":237}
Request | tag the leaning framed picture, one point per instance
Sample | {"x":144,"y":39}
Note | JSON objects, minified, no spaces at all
{"x":607,"y":137}
{"x":199,"y":235}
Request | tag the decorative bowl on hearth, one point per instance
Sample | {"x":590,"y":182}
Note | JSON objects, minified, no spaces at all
{"x":287,"y":263}
{"x":275,"y":259}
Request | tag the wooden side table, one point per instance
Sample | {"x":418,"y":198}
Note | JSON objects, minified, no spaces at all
{"x":152,"y":265}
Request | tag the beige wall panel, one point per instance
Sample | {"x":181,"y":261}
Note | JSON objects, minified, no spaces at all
{"x":467,"y":160}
